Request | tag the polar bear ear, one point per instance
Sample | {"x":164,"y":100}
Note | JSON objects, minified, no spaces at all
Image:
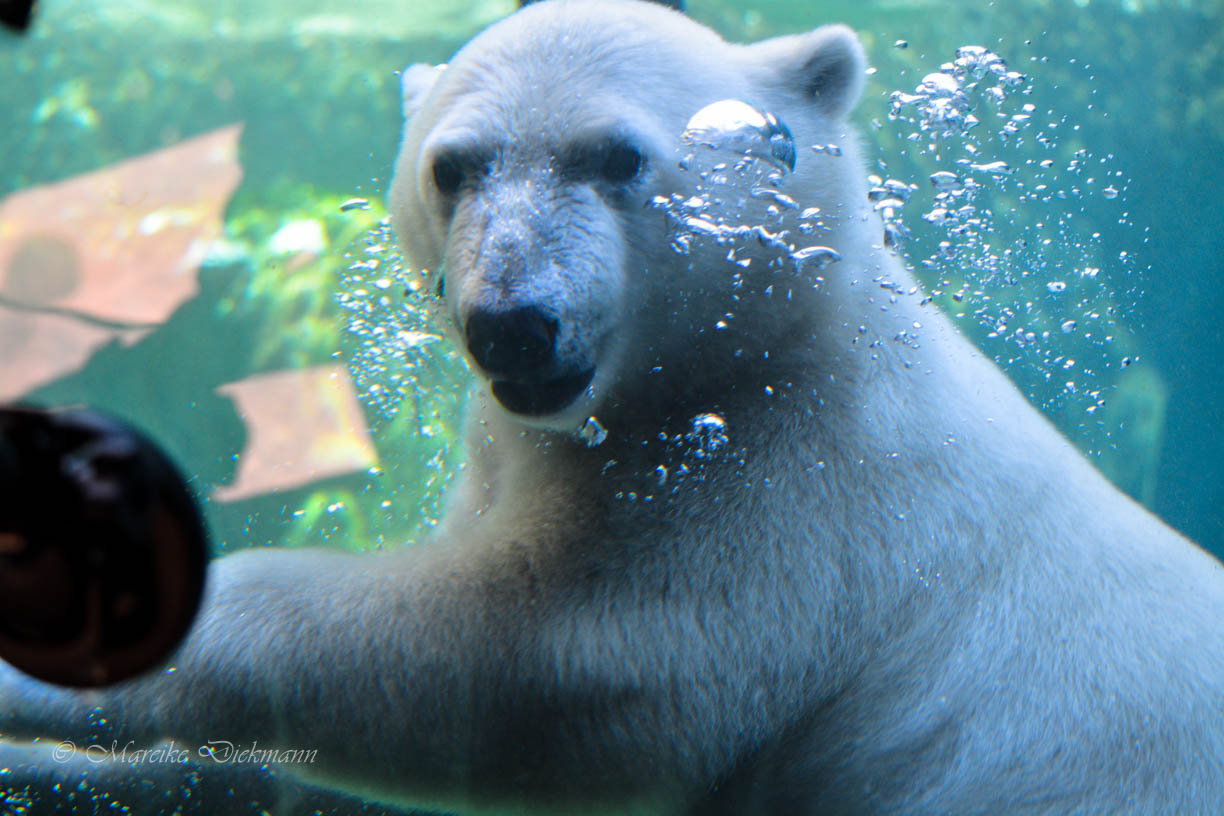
{"x":826,"y":67}
{"x":415,"y":82}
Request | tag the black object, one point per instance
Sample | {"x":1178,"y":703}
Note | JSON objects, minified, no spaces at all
{"x":102,"y":548}
{"x":16,"y":14}
{"x":516,"y":343}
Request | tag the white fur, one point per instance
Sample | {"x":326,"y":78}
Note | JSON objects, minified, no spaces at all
{"x":895,"y":590}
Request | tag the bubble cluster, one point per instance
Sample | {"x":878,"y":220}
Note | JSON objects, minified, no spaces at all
{"x":742,"y":156}
{"x":409,"y":376}
{"x":592,"y":432}
{"x":999,"y":233}
{"x":943,"y":98}
{"x":708,"y":434}
{"x":688,"y":454}
{"x":888,"y":196}
{"x":391,"y":327}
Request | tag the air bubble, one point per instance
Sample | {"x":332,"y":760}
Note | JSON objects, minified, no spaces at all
{"x":355,"y":204}
{"x":592,"y":432}
{"x":945,"y":180}
{"x":995,"y":168}
{"x":815,"y":257}
{"x":991,"y":251}
{"x":736,"y":127}
{"x":707,"y":435}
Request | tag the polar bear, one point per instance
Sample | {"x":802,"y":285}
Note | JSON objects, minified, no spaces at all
{"x":885,"y":585}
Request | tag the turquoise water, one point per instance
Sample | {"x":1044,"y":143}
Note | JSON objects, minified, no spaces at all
{"x":262,"y":292}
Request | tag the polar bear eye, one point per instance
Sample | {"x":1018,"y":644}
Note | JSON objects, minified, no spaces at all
{"x":621,"y":164}
{"x":448,"y":174}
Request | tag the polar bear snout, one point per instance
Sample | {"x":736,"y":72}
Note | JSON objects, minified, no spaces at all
{"x":516,"y":344}
{"x":516,"y":348}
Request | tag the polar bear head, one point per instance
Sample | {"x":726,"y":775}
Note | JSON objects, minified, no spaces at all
{"x":524,"y":181}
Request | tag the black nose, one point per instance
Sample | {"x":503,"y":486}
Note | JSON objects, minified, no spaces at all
{"x":511,"y":343}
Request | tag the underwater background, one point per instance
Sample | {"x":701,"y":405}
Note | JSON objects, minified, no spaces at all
{"x":191,"y":235}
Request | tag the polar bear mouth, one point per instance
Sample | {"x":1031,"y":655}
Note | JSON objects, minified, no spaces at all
{"x":540,"y":398}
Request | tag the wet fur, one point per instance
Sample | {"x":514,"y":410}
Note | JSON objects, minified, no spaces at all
{"x":896,"y":590}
